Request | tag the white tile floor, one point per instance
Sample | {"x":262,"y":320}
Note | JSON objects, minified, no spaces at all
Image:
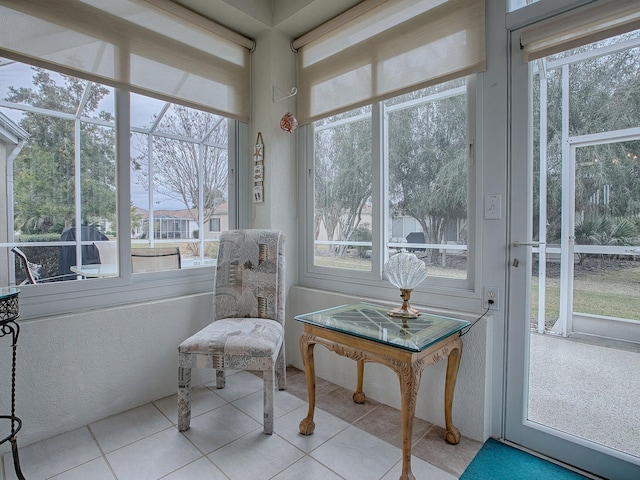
{"x":225,"y":442}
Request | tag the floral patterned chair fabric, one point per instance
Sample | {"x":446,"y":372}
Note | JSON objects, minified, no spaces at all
{"x":248,"y":328}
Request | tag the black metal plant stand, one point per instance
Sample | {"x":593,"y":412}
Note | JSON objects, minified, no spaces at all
{"x":9,"y":312}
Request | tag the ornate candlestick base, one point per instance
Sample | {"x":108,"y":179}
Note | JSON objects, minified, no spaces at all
{"x":404,"y":311}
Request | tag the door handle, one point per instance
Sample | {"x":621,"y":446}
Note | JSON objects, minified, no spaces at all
{"x":527,"y":244}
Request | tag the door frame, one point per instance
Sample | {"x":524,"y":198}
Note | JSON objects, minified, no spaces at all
{"x":590,"y":456}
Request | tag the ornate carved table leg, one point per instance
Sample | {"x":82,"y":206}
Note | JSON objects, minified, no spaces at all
{"x":358,"y":395}
{"x":452,"y":434}
{"x":307,"y":342}
{"x":409,"y":375}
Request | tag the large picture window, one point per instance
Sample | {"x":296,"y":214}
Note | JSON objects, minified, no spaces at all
{"x":62,"y":218}
{"x":393,"y":177}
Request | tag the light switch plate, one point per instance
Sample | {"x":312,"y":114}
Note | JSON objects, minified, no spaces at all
{"x":493,"y":207}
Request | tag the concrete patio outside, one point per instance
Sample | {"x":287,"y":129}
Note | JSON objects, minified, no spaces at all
{"x":587,"y":387}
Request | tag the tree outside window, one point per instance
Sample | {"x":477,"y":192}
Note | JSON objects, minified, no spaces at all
{"x":424,"y":160}
{"x":64,"y":175}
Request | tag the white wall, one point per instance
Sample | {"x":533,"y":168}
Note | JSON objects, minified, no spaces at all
{"x":75,"y":369}
{"x":472,"y":399}
{"x":273,"y":64}
{"x":494,"y":263}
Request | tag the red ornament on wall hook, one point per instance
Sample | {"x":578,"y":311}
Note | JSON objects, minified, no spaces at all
{"x":288,"y":123}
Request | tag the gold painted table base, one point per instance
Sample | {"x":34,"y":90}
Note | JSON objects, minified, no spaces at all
{"x":407,"y":365}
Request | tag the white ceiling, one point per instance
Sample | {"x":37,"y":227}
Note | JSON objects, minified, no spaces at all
{"x":250,"y":17}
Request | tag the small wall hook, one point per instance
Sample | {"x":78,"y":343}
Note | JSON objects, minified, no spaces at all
{"x":279,"y":95}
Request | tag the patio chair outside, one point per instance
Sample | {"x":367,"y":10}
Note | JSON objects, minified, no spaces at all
{"x":155,"y":259}
{"x":107,"y":251}
{"x":32,"y":271}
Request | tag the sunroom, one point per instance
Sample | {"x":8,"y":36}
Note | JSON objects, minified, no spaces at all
{"x":138,"y":121}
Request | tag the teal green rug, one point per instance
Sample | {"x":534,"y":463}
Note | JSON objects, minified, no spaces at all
{"x":497,"y":461}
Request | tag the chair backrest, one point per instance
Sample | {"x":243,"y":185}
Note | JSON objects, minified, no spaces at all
{"x":107,"y":251}
{"x":250,"y":271}
{"x":155,"y":259}
{"x":32,"y":269}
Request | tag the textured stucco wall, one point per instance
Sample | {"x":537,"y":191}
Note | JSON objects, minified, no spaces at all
{"x":76,"y":369}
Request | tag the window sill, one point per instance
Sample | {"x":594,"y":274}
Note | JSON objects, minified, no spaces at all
{"x":39,"y":301}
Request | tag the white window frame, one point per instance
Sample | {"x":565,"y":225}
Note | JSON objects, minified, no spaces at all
{"x":434,"y":291}
{"x":57,"y":298}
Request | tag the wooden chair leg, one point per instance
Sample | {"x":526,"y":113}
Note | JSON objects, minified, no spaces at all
{"x":184,"y":398}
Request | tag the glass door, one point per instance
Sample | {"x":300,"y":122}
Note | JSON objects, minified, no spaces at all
{"x":573,"y":359}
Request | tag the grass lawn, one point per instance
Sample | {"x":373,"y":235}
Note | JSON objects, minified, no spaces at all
{"x":187,"y":249}
{"x":613,"y":294}
{"x":364,"y":264}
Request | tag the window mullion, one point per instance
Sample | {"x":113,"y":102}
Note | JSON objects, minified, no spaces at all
{"x":152,"y":225}
{"x":308,"y":147}
{"x":123,"y":172}
{"x":78,"y":190}
{"x":201,"y":235}
{"x":379,"y":180}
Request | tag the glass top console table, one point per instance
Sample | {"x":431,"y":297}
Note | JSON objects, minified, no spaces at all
{"x":9,"y":313}
{"x":365,"y":333}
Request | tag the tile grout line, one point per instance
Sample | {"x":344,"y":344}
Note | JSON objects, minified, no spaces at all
{"x":103,"y":453}
{"x":203,"y":454}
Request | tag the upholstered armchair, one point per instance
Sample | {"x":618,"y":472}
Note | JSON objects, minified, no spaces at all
{"x":247,"y":332}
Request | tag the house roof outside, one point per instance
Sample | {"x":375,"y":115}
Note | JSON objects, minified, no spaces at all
{"x":10,"y":132}
{"x":189,"y":214}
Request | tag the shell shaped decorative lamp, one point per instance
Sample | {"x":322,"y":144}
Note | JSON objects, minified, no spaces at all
{"x":405,"y":271}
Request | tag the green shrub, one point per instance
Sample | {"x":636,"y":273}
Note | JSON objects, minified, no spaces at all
{"x":362,"y":234}
{"x":48,"y":257}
